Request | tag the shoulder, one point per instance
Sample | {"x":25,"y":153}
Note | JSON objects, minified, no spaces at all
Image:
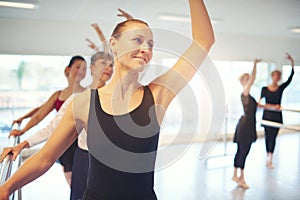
{"x":81,"y":105}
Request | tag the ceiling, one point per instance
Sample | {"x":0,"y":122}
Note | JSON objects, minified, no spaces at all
{"x":255,"y":17}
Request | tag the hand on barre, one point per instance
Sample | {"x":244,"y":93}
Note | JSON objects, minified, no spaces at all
{"x":14,"y":151}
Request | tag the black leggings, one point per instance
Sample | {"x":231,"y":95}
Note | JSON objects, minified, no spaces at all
{"x":270,"y":137}
{"x":241,"y":154}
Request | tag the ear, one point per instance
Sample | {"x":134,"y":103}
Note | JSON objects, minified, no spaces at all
{"x":67,"y":71}
{"x":113,"y":45}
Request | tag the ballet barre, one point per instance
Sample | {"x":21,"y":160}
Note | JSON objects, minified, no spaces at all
{"x":282,"y":109}
{"x":279,"y":125}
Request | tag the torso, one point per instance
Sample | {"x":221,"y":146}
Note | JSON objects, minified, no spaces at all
{"x":123,"y":148}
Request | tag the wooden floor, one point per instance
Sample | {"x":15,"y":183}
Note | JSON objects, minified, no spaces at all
{"x":191,"y":178}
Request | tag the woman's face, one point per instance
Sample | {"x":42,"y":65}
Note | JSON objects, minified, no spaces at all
{"x":77,"y":70}
{"x":133,"y":49}
{"x":276,"y":77}
{"x":102,"y":68}
{"x":245,"y":79}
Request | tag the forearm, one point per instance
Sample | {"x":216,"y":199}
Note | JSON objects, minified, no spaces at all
{"x":102,"y":37}
{"x":201,"y":25}
{"x":38,"y":137}
{"x":32,"y":122}
{"x":30,"y":114}
{"x":32,"y":168}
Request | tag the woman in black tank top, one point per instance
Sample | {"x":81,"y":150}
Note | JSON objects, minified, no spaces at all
{"x":272,"y":108}
{"x":123,"y":118}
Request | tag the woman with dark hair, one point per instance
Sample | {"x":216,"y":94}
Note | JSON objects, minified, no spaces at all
{"x":272,"y":108}
{"x":245,"y":133}
{"x":75,"y":72}
{"x":122,"y":118}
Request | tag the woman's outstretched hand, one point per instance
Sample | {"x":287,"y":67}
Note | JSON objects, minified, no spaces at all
{"x":14,"y":151}
{"x":16,"y":132}
{"x":91,"y":44}
{"x":17,"y":121}
{"x":257,"y":60}
{"x":289,"y":57}
{"x":124,"y":14}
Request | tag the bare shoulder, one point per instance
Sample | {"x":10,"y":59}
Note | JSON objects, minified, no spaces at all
{"x":81,"y":105}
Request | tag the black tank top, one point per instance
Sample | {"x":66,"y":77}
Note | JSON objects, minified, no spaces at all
{"x":122,"y":150}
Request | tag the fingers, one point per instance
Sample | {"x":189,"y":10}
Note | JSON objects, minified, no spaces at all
{"x":6,"y":151}
{"x":121,"y":11}
{"x":257,"y":60}
{"x":95,"y":25}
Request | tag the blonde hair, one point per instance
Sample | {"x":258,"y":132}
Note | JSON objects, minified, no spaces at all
{"x":241,"y":77}
{"x":275,"y":71}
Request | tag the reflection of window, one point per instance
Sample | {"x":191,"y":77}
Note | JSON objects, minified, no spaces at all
{"x":230,"y":72}
{"x":26,"y":81}
{"x":291,"y":97}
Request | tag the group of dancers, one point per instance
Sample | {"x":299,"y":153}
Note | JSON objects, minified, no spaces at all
{"x":96,"y":125}
{"x":245,"y":133}
{"x":108,"y":113}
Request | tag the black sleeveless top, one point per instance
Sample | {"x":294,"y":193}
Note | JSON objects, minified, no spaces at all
{"x":275,"y":98}
{"x":246,"y":128}
{"x":122,"y":150}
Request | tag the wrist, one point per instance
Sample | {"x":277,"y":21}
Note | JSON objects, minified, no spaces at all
{"x":25,"y":144}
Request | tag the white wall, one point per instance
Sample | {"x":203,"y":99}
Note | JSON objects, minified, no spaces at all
{"x":19,"y":36}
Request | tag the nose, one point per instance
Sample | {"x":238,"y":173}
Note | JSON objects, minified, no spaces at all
{"x":145,"y":47}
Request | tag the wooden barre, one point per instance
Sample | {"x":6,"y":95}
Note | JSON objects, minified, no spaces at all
{"x":279,"y":125}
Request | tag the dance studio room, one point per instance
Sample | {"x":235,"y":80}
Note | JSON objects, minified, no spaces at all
{"x":219,"y":82}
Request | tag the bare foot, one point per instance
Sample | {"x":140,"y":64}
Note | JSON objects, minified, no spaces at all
{"x":236,"y":179}
{"x":243,"y":185}
{"x":270,"y":165}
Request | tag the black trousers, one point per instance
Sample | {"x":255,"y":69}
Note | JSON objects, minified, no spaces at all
{"x":241,"y":154}
{"x":270,"y":138}
{"x":79,"y":174}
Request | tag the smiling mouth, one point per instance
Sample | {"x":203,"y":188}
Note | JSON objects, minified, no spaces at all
{"x":141,"y":58}
{"x":108,"y":73}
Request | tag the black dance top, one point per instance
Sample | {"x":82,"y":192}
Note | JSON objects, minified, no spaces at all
{"x":246,"y":128}
{"x":122,"y":150}
{"x":275,"y":98}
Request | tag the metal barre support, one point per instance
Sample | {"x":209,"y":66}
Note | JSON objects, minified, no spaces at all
{"x":7,"y":166}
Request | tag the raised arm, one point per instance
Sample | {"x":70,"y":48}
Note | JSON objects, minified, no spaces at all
{"x":285,"y":84}
{"x":45,"y":109}
{"x":92,"y":45}
{"x":165,"y":87}
{"x":251,"y":80}
{"x":29,"y":114}
{"x":101,"y":36}
{"x":38,"y":164}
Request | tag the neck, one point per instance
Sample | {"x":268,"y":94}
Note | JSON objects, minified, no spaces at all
{"x":74,"y":86}
{"x":124,"y":81}
{"x":274,"y":84}
{"x":97,"y":83}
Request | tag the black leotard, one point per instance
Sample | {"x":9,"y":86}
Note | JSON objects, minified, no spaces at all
{"x":246,"y":127}
{"x":275,"y":98}
{"x":113,"y":142}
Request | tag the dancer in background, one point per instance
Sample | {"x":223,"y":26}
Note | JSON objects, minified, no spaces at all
{"x":245,"y":133}
{"x":75,"y":73}
{"x":101,"y":71}
{"x":272,"y":108}
{"x":140,"y":107}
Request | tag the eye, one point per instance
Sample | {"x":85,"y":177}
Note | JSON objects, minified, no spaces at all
{"x":138,"y":40}
{"x":150,"y":45}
